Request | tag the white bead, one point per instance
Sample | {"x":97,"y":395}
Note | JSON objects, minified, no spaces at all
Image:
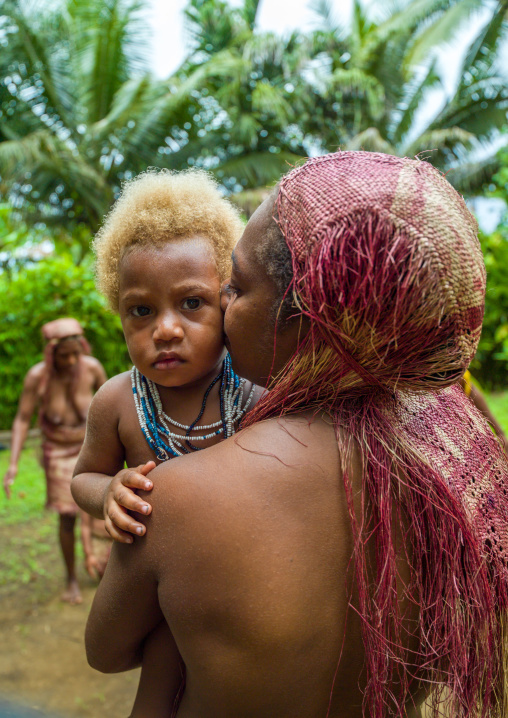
{"x":147,"y":390}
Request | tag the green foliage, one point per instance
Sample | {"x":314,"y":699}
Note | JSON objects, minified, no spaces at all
{"x":28,"y":491}
{"x":491,"y":362}
{"x":51,"y":288}
{"x":372,"y":80}
{"x":30,"y":563}
{"x":498,"y":404}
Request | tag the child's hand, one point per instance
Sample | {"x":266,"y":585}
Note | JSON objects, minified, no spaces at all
{"x":121,"y":497}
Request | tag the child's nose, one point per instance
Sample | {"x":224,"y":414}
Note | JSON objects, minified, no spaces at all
{"x":168,"y":327}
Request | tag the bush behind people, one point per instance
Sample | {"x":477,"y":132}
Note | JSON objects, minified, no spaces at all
{"x":34,"y":295}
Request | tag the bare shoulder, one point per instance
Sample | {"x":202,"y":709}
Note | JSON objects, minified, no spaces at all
{"x":117,"y":385}
{"x":34,"y":375}
{"x":96,"y":371}
{"x":111,"y":395}
{"x":92,"y":362}
{"x":282,"y":458}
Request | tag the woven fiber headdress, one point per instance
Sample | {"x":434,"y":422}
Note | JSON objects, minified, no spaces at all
{"x":388,"y":269}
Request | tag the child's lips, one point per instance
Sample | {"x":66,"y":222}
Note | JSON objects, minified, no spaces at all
{"x":167,"y":362}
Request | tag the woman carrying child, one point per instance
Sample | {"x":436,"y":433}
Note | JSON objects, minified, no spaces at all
{"x":162,"y":254}
{"x":344,"y":554}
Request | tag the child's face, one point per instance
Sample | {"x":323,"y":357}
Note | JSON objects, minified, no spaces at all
{"x":169,"y":304}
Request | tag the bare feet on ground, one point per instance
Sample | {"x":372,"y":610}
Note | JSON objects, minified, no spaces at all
{"x":72,"y":594}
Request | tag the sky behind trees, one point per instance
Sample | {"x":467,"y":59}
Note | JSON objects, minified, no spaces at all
{"x":280,"y":16}
{"x":166,"y":19}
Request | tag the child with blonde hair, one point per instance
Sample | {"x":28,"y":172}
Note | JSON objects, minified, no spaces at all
{"x":162,"y":254}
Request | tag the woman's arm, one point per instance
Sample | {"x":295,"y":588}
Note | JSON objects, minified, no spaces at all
{"x":126,"y":608}
{"x":26,"y":408}
{"x":91,"y":563}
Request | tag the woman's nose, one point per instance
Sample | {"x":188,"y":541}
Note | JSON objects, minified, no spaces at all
{"x":168,"y":327}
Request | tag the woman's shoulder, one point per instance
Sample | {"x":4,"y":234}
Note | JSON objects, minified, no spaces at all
{"x":272,"y":447}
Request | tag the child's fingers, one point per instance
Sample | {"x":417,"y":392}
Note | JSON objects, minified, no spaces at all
{"x":126,"y":498}
{"x":123,"y":523}
{"x":135,"y":479}
{"x":146,"y":468}
{"x":116,"y":534}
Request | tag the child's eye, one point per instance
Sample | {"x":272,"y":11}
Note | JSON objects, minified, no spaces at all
{"x":192,"y":303}
{"x":140,"y":311}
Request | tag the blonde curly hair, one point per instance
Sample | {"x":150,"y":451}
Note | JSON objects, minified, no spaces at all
{"x":154,"y":208}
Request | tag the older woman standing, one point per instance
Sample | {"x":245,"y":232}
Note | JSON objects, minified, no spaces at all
{"x":61,"y":387}
{"x":346,"y":552}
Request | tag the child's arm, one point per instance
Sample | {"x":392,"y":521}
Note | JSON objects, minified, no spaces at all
{"x":158,"y":686}
{"x":101,"y":486}
{"x":86,"y":540}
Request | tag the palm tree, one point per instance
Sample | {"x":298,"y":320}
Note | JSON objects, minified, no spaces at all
{"x":88,"y":114}
{"x":372,"y":79}
{"x":248,"y":76}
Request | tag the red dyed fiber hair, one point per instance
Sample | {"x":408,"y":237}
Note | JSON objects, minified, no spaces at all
{"x":388,"y":269}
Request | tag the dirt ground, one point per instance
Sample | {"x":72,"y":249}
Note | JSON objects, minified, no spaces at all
{"x":42,"y":659}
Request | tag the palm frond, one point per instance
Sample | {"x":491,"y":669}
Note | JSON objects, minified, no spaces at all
{"x":371,"y":141}
{"x":257,"y":169}
{"x":479,"y":108}
{"x":102,"y":36}
{"x":325,"y":17}
{"x":125,"y":106}
{"x":470,"y":178}
{"x":358,"y":83}
{"x":269,"y":100}
{"x":442,"y":30}
{"x":415,"y":93}
{"x":249,"y":11}
{"x":485,"y":44}
{"x":33,"y":50}
{"x":449,"y":138}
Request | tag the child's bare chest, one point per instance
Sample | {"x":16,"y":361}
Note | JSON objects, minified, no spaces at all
{"x":133,"y":431}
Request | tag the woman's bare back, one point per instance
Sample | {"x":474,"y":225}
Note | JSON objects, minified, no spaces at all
{"x":256,"y":576}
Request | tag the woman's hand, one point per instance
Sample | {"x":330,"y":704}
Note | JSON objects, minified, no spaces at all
{"x":92,"y":566}
{"x":121,"y":497}
{"x":9,"y":477}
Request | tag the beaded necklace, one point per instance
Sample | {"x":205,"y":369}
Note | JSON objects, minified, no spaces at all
{"x":157,"y":426}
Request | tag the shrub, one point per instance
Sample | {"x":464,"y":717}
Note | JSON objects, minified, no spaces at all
{"x":54,"y":287}
{"x":491,"y":362}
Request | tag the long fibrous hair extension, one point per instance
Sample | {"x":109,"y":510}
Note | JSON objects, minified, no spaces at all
{"x":392,"y":329}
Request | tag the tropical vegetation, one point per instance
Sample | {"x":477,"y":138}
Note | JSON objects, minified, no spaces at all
{"x":81,"y":112}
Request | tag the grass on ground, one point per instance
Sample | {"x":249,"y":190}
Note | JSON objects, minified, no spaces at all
{"x":31,"y":557}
